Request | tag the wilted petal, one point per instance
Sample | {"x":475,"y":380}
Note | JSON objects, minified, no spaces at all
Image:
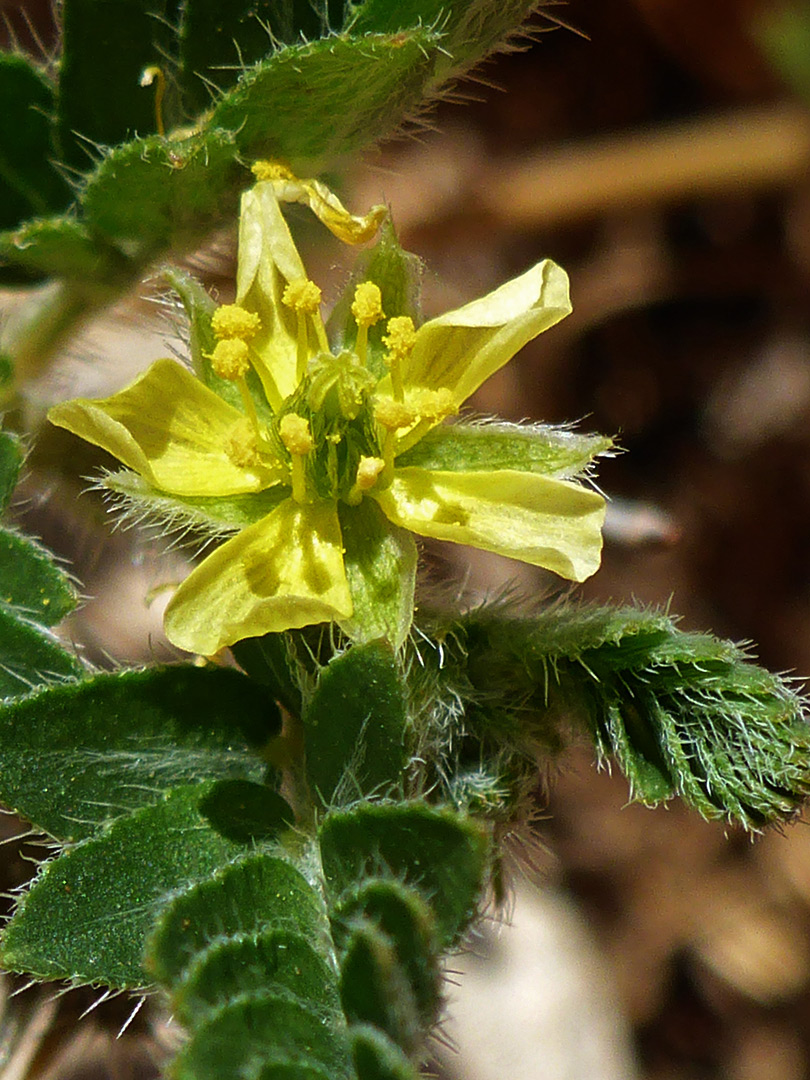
{"x":284,"y":572}
{"x":539,"y":520}
{"x":171,"y":429}
{"x":461,"y":349}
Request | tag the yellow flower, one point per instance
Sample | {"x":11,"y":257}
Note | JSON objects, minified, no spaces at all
{"x":318,"y":462}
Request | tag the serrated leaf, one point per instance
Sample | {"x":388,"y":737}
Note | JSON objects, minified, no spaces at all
{"x":105,"y":48}
{"x":31,"y":582}
{"x":437,"y":851}
{"x":249,"y":1037}
{"x":539,"y":448}
{"x":256,"y":893}
{"x":86,"y":916}
{"x":314,"y":103}
{"x":11,"y":459}
{"x":269,"y":962}
{"x":407,"y":920}
{"x":380,"y":561}
{"x":374,"y":988}
{"x":29,"y":657}
{"x":76,"y":755}
{"x":354,"y":726}
{"x":246,"y":812}
{"x":377,"y":1058}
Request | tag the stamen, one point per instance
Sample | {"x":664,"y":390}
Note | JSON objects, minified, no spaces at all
{"x":400,"y":340}
{"x":241,"y":447}
{"x":367,"y":310}
{"x":271,"y":170}
{"x":304,"y":297}
{"x":230,"y":359}
{"x":368,"y":472}
{"x":233,"y":321}
{"x":393,"y":414}
{"x":154,"y":74}
{"x":295,"y":433}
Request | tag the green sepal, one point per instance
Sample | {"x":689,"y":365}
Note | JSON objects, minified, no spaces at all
{"x":398,"y":274}
{"x":257,"y":1037}
{"x":105,"y":47}
{"x":380,"y":561}
{"x":374,"y":988}
{"x":256,"y":893}
{"x":406,"y":918}
{"x":535,"y":448}
{"x":444,"y":855}
{"x":11,"y":459}
{"x":29,"y":184}
{"x":355,"y":726}
{"x":246,"y":812}
{"x":86,"y":916}
{"x":268,"y":660}
{"x":155,"y":193}
{"x":470,"y":28}
{"x":31,"y":582}
{"x":270,"y":962}
{"x":76,"y":755}
{"x":377,"y":1058}
{"x":64,"y":247}
{"x":314,"y":103}
{"x":207,"y":515}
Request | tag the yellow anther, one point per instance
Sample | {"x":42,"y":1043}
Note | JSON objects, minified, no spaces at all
{"x":271,"y":170}
{"x":435,"y":405}
{"x":393,"y":414}
{"x":231,"y":359}
{"x":400,"y":337}
{"x":368,"y":471}
{"x":367,"y":305}
{"x":303,"y":296}
{"x":233,"y":321}
{"x":296,"y":435}
{"x":241,"y":446}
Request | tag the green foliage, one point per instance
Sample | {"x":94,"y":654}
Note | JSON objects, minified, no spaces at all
{"x":34,"y":595}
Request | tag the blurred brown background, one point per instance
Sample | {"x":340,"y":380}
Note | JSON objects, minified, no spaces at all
{"x":662,"y":158}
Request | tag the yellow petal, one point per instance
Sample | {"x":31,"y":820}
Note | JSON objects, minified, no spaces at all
{"x":539,"y":520}
{"x":284,"y":572}
{"x":327,"y":207}
{"x":170,"y":428}
{"x":268,"y":261}
{"x":461,"y":349}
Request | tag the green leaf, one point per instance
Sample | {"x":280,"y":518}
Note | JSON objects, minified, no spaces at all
{"x":380,"y":561}
{"x":31,"y":582}
{"x":377,"y":1058}
{"x":535,"y":448}
{"x":106,"y":44}
{"x":29,"y":657}
{"x":271,"y":962}
{"x":255,"y":1038}
{"x":374,"y":988}
{"x":246,"y":812}
{"x":443,"y":854}
{"x":405,"y":917}
{"x":86,"y":916}
{"x":76,"y":755}
{"x":29,"y":184}
{"x":64,"y":247}
{"x":470,"y":28}
{"x":354,"y":726}
{"x":11,"y":459}
{"x":155,"y":193}
{"x":314,"y":103}
{"x":259,"y":892}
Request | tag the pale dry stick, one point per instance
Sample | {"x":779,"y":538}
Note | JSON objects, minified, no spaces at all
{"x":740,"y":150}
